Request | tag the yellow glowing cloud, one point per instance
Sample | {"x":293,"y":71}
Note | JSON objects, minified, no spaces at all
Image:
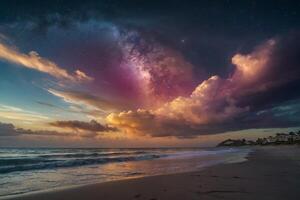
{"x":212,"y":104}
{"x":206,"y":105}
{"x":250,"y":67}
{"x":34,"y":61}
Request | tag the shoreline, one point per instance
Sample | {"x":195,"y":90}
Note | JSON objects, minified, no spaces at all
{"x":74,"y":187}
{"x":209,"y":182}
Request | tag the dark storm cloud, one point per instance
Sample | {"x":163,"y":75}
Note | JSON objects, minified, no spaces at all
{"x":192,"y":10}
{"x":11,"y":130}
{"x":88,"y":129}
{"x":174,"y":19}
{"x":211,"y":30}
{"x":93,"y":126}
{"x":8,"y":130}
{"x":283,"y":77}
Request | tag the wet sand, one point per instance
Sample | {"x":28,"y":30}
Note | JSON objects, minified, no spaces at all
{"x":270,"y":173}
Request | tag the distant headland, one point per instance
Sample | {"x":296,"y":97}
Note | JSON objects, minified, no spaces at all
{"x":279,"y":139}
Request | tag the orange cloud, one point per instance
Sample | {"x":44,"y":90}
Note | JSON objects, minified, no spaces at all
{"x":213,"y":107}
{"x":32,"y":60}
{"x":207,"y":105}
{"x":251,"y":67}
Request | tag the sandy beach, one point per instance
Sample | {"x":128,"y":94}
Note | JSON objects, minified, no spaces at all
{"x":269,"y":173}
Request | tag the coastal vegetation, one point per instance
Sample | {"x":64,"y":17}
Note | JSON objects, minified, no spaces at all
{"x":290,"y":138}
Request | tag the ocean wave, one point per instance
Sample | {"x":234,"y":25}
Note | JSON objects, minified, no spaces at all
{"x":22,"y":161}
{"x":79,"y":155}
{"x":39,"y":164}
{"x":52,"y":159}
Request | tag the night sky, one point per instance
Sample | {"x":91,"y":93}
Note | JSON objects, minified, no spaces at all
{"x":147,"y":73}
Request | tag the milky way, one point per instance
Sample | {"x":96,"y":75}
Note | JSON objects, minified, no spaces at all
{"x":111,"y":70}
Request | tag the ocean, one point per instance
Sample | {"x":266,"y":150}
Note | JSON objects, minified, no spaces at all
{"x":33,"y":170}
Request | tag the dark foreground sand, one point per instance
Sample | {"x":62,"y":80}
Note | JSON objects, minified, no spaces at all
{"x":271,"y":173}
